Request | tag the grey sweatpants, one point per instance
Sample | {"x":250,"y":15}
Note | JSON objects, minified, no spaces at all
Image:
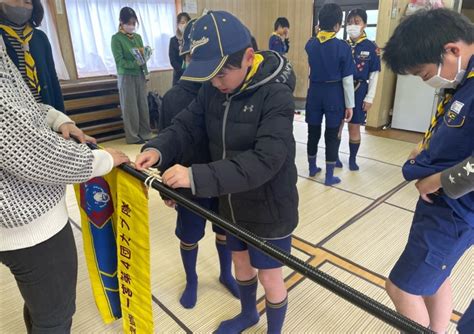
{"x":134,"y":105}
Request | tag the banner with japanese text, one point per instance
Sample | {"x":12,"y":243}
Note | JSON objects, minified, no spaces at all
{"x":115,"y":226}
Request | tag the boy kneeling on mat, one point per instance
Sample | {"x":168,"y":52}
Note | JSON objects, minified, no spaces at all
{"x":245,"y":110}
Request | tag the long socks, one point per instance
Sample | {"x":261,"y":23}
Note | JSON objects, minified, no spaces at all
{"x":276,"y":316}
{"x":353,"y":148}
{"x":248,"y":315}
{"x":225,"y":261}
{"x":189,"y":257}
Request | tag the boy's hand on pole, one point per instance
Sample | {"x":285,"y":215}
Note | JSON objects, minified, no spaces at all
{"x":146,"y":159}
{"x":177,"y":177}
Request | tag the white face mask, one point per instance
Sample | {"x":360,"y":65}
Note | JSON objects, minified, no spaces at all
{"x":438,"y":82}
{"x":129,"y":28}
{"x":181,"y":27}
{"x":354,"y":30}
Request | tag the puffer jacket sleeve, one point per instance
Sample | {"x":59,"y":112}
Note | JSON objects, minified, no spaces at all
{"x":186,"y":131}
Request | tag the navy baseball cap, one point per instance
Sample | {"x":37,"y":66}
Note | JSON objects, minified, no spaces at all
{"x":187,"y":38}
{"x":214,"y":37}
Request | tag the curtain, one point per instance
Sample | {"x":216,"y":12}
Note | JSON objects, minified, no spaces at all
{"x":93,"y":22}
{"x":49,"y":27}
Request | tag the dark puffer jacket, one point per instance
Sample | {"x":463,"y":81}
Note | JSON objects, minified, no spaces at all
{"x":175,"y":101}
{"x":252,"y":147}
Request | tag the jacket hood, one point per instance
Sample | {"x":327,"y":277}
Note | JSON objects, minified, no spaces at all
{"x":189,"y":86}
{"x":274,"y":69}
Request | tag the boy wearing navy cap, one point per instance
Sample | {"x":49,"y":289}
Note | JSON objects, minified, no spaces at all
{"x":443,"y":227}
{"x":189,"y":226}
{"x":331,"y":90}
{"x":367,"y":60}
{"x":245,"y":110}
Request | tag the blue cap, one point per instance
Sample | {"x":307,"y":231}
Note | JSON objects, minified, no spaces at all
{"x":186,"y":48}
{"x":214,"y":37}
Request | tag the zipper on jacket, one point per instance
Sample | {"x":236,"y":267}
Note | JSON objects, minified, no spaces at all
{"x":224,"y":123}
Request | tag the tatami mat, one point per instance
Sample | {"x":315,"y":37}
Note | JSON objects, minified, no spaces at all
{"x":387,"y":150}
{"x":372,"y":181}
{"x":406,"y":198}
{"x":346,"y":218}
{"x":378,"y":239}
{"x":313,"y":309}
{"x":324,"y":209}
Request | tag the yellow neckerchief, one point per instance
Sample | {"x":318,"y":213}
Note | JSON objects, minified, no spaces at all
{"x":257,"y":61}
{"x":30,"y":67}
{"x":434,"y":122}
{"x":324,"y":36}
{"x":439,"y":114}
{"x":130,"y":36}
{"x":276,"y":34}
{"x":361,"y":38}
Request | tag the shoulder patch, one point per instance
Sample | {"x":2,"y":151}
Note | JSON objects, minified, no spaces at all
{"x":377,"y":50}
{"x":456,"y":106}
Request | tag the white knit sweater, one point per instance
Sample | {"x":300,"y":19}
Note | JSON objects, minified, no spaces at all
{"x":36,"y":164}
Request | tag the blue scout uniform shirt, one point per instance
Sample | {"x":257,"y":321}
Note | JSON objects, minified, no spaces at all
{"x":330,"y":59}
{"x":366,"y":56}
{"x":277,"y":44}
{"x":451,"y":140}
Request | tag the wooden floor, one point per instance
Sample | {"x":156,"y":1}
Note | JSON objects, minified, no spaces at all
{"x":354,"y":231}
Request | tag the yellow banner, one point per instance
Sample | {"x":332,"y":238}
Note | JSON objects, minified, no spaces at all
{"x":114,"y":218}
{"x":133,"y":251}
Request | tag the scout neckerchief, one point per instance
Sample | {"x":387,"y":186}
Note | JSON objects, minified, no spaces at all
{"x":434,"y":122}
{"x":440,"y":113}
{"x":130,"y":36}
{"x":31,"y":72}
{"x":324,"y":36}
{"x":257,"y":61}
{"x":276,"y":34}
{"x":353,"y":44}
{"x":361,"y":38}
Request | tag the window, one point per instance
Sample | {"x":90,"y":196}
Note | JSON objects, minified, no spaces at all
{"x":342,"y":32}
{"x":49,"y":27}
{"x":93,"y":22}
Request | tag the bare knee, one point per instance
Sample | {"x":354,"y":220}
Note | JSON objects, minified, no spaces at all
{"x":392,"y":290}
{"x":354,"y":131}
{"x":243,"y":268}
{"x":270,"y":277}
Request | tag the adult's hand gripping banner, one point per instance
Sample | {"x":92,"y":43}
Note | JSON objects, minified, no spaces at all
{"x":115,"y":225}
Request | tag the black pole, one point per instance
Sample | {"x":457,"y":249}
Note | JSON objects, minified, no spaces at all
{"x":341,"y":289}
{"x":352,"y":295}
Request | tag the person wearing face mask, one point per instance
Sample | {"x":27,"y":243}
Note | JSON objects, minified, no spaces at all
{"x":128,"y":51}
{"x":189,"y":226}
{"x":176,"y":42}
{"x":366,"y":56}
{"x":443,"y":224}
{"x":30,"y":50}
{"x":331,"y":90}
